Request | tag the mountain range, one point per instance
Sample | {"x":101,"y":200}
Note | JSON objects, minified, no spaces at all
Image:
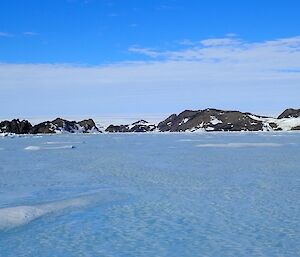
{"x":186,"y":121}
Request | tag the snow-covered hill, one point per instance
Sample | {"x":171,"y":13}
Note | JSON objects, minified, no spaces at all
{"x":186,"y":121}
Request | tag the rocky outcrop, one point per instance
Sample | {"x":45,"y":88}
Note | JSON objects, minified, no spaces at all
{"x":88,"y":126}
{"x":142,"y":126}
{"x":43,"y":128}
{"x":139,"y":126}
{"x":188,"y":120}
{"x":290,"y":113}
{"x":211,"y":120}
{"x":48,"y":127}
{"x":60,"y":125}
{"x":296,"y":128}
{"x":15,"y":126}
{"x":117,"y":128}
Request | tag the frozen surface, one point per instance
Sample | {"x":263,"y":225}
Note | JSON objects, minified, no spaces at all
{"x":284,"y":124}
{"x":210,"y":194}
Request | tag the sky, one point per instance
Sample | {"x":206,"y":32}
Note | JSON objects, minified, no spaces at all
{"x":133,"y":58}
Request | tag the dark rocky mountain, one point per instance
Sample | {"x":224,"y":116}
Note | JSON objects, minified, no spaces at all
{"x":142,"y":126}
{"x":43,"y":128}
{"x":88,"y":126}
{"x":211,"y":120}
{"x":15,"y":126}
{"x":117,"y":128}
{"x":290,"y":113}
{"x":60,"y":125}
{"x":188,"y":120}
{"x":139,"y":126}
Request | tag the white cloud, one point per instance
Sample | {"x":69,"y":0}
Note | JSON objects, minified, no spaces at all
{"x":4,"y":34}
{"x":278,"y":54}
{"x":145,"y":51}
{"x":260,"y":77}
{"x":30,"y":33}
{"x":231,"y":35}
{"x":220,"y":42}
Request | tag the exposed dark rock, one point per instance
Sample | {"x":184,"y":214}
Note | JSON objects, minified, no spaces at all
{"x":290,"y":113}
{"x":60,"y":125}
{"x":117,"y":128}
{"x":188,"y":120}
{"x":211,"y":120}
{"x":15,"y":126}
{"x":173,"y":120}
{"x":142,"y":126}
{"x":65,"y":125}
{"x":139,"y":126}
{"x":139,"y":122}
{"x":88,"y":125}
{"x":296,"y":128}
{"x":46,"y":127}
{"x":274,"y":126}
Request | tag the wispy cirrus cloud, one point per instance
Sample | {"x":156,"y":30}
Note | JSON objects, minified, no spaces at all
{"x":228,"y":73}
{"x":220,"y":42}
{"x":133,"y":25}
{"x":144,"y":51}
{"x":79,"y":1}
{"x":231,"y":35}
{"x":30,"y":33}
{"x":233,"y":52}
{"x":26,"y":33}
{"x":169,"y":7}
{"x":5,"y":34}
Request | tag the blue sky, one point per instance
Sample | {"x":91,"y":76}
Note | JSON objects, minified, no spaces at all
{"x":130,"y":57}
